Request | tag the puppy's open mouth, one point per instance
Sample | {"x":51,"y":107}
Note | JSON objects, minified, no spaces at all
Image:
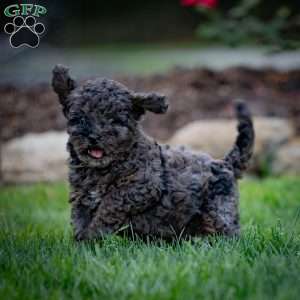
{"x":95,"y":152}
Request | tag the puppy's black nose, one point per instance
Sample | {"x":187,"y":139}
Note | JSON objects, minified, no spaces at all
{"x":92,"y":141}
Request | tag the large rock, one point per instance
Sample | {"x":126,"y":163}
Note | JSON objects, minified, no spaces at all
{"x":43,"y":157}
{"x":287,"y":160}
{"x":35,"y":157}
{"x":216,"y":137}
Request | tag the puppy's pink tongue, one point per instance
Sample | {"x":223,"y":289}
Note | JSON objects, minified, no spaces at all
{"x":96,"y":153}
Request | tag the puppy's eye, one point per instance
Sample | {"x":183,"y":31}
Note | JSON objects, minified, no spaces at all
{"x":73,"y":121}
{"x":121,"y":132}
{"x":80,"y":124}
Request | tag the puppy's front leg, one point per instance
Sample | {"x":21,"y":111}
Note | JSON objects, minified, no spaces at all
{"x":107,"y":219}
{"x":94,"y":231}
{"x":114,"y":212}
{"x":81,"y":216}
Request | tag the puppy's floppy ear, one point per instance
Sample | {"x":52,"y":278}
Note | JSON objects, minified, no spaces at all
{"x":153,"y":102}
{"x":63,"y":84}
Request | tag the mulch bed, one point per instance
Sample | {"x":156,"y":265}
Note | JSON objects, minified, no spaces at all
{"x":193,"y":94}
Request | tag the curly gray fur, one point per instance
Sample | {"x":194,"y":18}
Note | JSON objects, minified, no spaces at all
{"x":121,"y":178}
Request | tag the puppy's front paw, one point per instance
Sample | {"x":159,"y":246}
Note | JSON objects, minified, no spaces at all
{"x":81,"y":236}
{"x":92,"y":233}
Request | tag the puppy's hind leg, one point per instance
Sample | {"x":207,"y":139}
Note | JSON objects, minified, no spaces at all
{"x":221,"y":206}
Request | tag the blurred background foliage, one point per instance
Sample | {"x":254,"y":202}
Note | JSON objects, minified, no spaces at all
{"x":231,"y":22}
{"x":251,"y":22}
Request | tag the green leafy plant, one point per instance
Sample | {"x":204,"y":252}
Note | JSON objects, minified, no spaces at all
{"x":243,"y":24}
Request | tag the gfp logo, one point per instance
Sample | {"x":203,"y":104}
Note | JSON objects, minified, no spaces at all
{"x":24,"y":30}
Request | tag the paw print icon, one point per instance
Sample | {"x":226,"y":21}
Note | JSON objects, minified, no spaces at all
{"x":24,"y":32}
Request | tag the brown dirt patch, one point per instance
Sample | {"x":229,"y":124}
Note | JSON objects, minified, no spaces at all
{"x":193,"y":94}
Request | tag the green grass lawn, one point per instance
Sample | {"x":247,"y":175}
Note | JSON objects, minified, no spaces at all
{"x":40,"y":260}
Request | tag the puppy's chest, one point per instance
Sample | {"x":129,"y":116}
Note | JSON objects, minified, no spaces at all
{"x":94,"y":190}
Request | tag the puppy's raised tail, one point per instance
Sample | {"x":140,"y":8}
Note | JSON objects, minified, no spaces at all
{"x":241,"y":153}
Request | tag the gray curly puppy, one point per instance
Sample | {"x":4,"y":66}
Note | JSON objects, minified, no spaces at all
{"x":121,"y":179}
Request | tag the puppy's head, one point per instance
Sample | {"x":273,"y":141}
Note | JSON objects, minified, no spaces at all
{"x":102,"y":116}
